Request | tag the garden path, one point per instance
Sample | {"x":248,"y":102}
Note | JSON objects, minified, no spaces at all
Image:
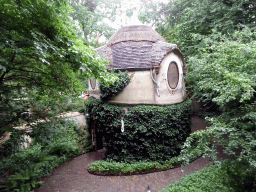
{"x":72,"y":176}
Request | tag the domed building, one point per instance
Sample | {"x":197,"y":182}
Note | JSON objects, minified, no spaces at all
{"x":157,"y":67}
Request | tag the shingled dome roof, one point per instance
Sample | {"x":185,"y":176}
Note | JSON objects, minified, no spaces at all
{"x":136,"y":47}
{"x":135,"y":33}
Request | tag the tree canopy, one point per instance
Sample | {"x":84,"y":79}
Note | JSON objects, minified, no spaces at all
{"x":41,"y":55}
{"x":218,"y":39}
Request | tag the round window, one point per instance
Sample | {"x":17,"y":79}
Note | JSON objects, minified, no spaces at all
{"x":173,"y":75}
{"x":93,"y":83}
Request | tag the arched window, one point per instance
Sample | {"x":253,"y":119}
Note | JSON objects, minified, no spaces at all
{"x":173,"y":75}
{"x":93,"y":83}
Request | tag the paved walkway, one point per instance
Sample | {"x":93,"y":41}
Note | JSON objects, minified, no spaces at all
{"x":72,"y":176}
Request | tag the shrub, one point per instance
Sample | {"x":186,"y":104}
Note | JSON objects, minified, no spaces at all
{"x":192,"y":148}
{"x":12,"y":145}
{"x":52,"y":142}
{"x":119,"y":168}
{"x":102,"y":167}
{"x":84,"y":138}
{"x":228,"y":175}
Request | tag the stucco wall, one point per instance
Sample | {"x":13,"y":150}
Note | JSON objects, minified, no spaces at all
{"x":141,"y":89}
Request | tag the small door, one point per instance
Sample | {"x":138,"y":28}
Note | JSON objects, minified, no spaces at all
{"x":173,"y":75}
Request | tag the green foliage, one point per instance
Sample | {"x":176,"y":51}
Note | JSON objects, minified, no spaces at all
{"x":228,"y":175}
{"x":90,"y":15}
{"x":118,"y":86}
{"x":184,"y":19}
{"x":58,"y":137}
{"x":12,"y":145}
{"x":220,"y":57}
{"x":52,"y":143}
{"x":40,"y":56}
{"x":84,"y":138}
{"x":228,"y":77}
{"x":113,"y":167}
{"x":153,"y":133}
{"x":196,"y":144}
{"x":223,"y":72}
{"x":22,"y":181}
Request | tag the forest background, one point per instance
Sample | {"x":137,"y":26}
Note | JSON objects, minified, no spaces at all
{"x":46,"y":56}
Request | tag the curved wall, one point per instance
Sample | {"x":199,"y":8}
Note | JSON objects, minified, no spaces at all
{"x":141,"y":89}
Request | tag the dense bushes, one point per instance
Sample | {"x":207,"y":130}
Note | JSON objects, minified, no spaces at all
{"x":223,"y":72}
{"x":228,"y":175}
{"x":52,"y":142}
{"x":150,"y":132}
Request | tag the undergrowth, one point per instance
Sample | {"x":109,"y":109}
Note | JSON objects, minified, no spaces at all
{"x":52,"y":143}
{"x":226,"y":176}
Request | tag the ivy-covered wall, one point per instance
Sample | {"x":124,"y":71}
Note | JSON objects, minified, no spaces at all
{"x":107,"y":91}
{"x":150,"y":132}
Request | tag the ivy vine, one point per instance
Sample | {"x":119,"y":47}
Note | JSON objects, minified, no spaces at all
{"x":151,"y":132}
{"x":108,"y":91}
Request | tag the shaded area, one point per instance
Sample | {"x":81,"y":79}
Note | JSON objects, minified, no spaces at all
{"x":72,"y":176}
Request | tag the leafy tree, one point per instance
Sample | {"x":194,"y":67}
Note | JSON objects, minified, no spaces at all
{"x":184,"y":18}
{"x":218,"y":39}
{"x":223,"y":72}
{"x":39,"y":57}
{"x":153,"y":13}
{"x":90,"y":15}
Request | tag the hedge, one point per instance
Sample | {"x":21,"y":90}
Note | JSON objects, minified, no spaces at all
{"x":151,"y":132}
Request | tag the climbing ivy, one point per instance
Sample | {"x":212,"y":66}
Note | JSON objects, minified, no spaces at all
{"x":118,"y":86}
{"x":151,"y":132}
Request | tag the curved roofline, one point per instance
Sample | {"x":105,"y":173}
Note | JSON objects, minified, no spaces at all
{"x":135,"y":33}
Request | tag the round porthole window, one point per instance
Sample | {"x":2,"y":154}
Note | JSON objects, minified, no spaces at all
{"x":173,"y":75}
{"x":93,"y":83}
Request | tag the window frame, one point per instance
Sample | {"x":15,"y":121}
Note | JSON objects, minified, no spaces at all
{"x":178,"y":74}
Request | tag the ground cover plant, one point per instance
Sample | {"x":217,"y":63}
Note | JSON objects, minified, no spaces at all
{"x":228,"y":175}
{"x":52,"y":143}
{"x":102,"y":167}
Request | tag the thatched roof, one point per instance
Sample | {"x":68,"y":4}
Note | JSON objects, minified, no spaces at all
{"x":135,"y":33}
{"x":105,"y":52}
{"x":136,"y":50}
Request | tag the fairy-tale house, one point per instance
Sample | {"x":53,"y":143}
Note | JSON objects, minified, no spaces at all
{"x":157,"y":66}
{"x":157,"y":69}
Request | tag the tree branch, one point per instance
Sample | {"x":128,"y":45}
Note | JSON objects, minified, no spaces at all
{"x":2,"y":76}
